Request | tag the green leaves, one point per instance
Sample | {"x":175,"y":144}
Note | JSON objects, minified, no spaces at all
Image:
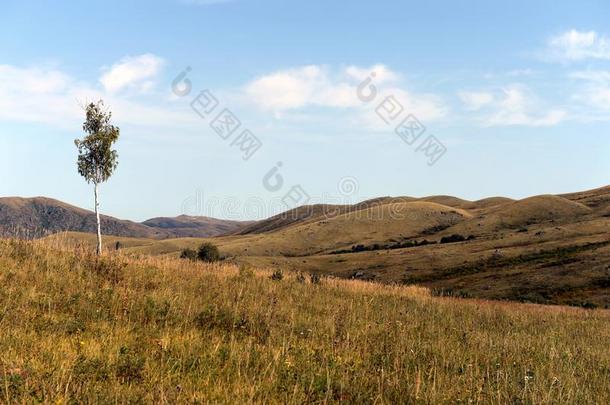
{"x":96,"y":158}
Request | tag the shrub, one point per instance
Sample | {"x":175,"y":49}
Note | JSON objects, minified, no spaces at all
{"x":452,"y":239}
{"x":188,"y":254}
{"x":589,"y":305}
{"x":208,"y":253}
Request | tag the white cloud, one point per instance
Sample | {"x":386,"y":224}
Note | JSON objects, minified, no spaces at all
{"x":320,"y":86}
{"x":599,"y":76}
{"x":599,"y":98}
{"x":576,"y":45}
{"x":511,"y":105}
{"x":381,"y":73}
{"x":289,"y":89}
{"x":51,"y":97}
{"x":518,"y":106}
{"x":596,"y":90}
{"x":474,"y":101}
{"x":135,"y":72}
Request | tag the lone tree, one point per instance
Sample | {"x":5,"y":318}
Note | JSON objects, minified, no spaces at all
{"x":96,"y":158}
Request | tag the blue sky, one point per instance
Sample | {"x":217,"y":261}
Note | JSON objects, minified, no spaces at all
{"x":517,"y":94}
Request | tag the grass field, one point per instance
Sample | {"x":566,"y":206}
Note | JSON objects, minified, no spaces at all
{"x":157,"y":329}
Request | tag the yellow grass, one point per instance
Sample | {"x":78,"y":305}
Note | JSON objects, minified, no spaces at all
{"x":161,"y":330}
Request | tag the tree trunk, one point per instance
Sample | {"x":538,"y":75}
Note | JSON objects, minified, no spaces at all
{"x":99,"y":225}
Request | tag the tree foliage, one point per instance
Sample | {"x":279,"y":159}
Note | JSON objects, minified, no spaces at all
{"x":96,"y":158}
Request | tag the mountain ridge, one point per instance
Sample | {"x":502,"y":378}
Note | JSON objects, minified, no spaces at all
{"x":39,"y":216}
{"x":34,"y":217}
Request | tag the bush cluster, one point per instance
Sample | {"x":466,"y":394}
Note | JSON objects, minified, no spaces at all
{"x":456,"y":238}
{"x":207,"y":252}
{"x":387,"y":246}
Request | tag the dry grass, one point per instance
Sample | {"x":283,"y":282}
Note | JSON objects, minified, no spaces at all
{"x":156,"y":329}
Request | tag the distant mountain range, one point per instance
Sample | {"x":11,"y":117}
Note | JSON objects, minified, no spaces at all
{"x":41,"y":216}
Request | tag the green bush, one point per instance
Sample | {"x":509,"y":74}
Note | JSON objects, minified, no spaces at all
{"x":189,"y":254}
{"x":208,"y":253}
{"x":452,"y":239}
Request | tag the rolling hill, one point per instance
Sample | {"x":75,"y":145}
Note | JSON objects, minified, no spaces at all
{"x":552,"y":249}
{"x":189,"y":226}
{"x":40,"y":216}
{"x":543,"y":249}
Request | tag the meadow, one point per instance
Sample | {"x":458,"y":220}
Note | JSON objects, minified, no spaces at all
{"x":127,"y":328}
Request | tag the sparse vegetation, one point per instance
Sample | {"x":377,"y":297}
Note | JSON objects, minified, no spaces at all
{"x":188,"y":253}
{"x":77,"y":328}
{"x":315,"y":278}
{"x":208,"y":252}
{"x":277,"y":275}
{"x":388,"y":246}
{"x":455,"y":238}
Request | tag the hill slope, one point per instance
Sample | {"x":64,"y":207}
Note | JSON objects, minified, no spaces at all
{"x":78,"y":330}
{"x":34,"y":217}
{"x":377,"y":224}
{"x":190,"y":226}
{"x":40,"y":216}
{"x":544,"y":249}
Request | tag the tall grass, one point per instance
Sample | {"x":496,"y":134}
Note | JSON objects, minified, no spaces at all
{"x":121,"y":329}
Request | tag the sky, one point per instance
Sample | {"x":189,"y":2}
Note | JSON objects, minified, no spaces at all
{"x":240,"y":109}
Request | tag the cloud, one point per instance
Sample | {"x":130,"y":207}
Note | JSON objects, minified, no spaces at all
{"x":381,"y":73}
{"x":598,"y":98}
{"x":316,"y":86}
{"x":576,"y":45}
{"x":289,"y":89}
{"x":135,"y":72}
{"x":510,"y":105}
{"x":474,"y":101}
{"x":599,"y":76}
{"x":596,"y":90}
{"x":51,"y":97}
{"x":518,"y":106}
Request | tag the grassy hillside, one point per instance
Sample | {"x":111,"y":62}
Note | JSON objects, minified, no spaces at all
{"x":39,"y":216}
{"x":544,"y":249}
{"x":156,"y":329}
